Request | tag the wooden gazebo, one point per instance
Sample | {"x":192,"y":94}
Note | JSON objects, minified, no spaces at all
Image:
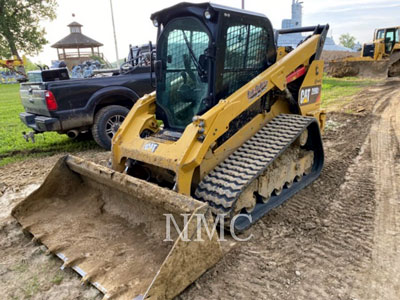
{"x":76,"y":47}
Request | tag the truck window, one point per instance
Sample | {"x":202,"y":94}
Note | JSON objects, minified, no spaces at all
{"x":35,"y":76}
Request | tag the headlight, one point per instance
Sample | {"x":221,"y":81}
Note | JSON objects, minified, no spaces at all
{"x":207,"y":15}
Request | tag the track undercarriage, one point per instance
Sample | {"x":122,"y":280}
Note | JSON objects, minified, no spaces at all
{"x":265,"y":171}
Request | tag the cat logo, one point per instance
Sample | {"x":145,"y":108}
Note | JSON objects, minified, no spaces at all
{"x":304,"y":96}
{"x":310,"y":95}
{"x":150,"y":147}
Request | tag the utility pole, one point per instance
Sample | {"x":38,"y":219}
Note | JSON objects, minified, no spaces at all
{"x":115,"y":36}
{"x":242,"y":4}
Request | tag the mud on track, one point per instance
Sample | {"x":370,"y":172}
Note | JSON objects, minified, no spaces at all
{"x":327,"y":242}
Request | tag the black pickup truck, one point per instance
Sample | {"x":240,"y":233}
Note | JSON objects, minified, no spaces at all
{"x":53,"y":102}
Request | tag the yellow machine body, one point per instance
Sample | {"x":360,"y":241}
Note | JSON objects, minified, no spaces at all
{"x":189,"y":153}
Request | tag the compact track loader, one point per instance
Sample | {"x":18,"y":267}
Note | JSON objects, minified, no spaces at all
{"x":378,"y":59}
{"x":233,"y":130}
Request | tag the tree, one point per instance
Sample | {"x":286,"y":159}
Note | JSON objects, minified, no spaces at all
{"x":347,"y":40}
{"x":19,"y":25}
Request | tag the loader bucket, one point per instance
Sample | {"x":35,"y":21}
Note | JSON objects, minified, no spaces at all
{"x":111,"y":227}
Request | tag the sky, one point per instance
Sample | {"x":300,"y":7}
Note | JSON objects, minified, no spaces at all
{"x":133,"y":24}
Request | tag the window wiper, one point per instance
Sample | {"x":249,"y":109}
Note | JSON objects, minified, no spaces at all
{"x":201,"y":71}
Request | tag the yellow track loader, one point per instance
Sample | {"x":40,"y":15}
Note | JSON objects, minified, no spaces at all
{"x":378,"y":59}
{"x":232,"y":131}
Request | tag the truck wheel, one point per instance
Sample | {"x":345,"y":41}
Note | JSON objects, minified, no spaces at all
{"x":106,"y":123}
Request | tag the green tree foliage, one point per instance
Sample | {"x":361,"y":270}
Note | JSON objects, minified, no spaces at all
{"x":19,"y":25}
{"x":30,"y":66}
{"x":347,"y":40}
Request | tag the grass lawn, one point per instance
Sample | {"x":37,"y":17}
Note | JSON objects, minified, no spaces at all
{"x":13,"y":146}
{"x":336,"y":92}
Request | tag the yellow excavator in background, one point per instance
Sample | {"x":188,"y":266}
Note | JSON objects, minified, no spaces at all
{"x":232,"y":131}
{"x":378,"y":59}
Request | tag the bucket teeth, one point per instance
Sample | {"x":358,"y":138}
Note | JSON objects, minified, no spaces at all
{"x":117,"y":292}
{"x":28,"y":227}
{"x":39,"y":237}
{"x":86,"y":279}
{"x":57,"y":248}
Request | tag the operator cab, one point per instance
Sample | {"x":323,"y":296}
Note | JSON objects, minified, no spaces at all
{"x":190,"y":78}
{"x":390,"y":37}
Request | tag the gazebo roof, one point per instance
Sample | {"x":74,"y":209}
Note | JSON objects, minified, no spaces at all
{"x":74,"y":24}
{"x":76,"y":40}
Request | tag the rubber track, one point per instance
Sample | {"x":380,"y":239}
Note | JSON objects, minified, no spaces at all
{"x":222,"y":187}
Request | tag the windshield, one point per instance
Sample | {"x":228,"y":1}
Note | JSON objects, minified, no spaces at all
{"x":181,"y":93}
{"x":380,"y":34}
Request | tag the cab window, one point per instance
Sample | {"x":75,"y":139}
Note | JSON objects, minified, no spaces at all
{"x":380,"y":34}
{"x":182,"y":92}
{"x":389,"y":40}
{"x":389,"y":36}
{"x":246,"y":56}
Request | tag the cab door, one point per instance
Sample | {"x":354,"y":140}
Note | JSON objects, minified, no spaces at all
{"x":390,"y":40}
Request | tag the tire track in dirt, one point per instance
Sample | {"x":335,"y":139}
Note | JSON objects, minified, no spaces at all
{"x":381,"y":280}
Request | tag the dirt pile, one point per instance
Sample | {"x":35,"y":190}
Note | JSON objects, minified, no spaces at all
{"x":337,"y":55}
{"x":366,"y":69}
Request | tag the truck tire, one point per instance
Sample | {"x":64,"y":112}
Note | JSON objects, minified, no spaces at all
{"x":106,"y":123}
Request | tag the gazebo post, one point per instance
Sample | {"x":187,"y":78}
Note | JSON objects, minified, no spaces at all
{"x":65,"y":56}
{"x":79,"y":53}
{"x":92,"y":51}
{"x":58,"y":54}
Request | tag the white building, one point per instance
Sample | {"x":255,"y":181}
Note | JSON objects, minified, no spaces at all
{"x":293,"y":39}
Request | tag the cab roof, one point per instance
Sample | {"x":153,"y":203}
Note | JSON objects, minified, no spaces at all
{"x":185,"y":8}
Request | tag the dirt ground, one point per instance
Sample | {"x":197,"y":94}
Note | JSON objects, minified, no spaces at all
{"x":337,"y":239}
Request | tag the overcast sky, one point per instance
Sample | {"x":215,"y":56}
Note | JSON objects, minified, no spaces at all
{"x":133,"y":24}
